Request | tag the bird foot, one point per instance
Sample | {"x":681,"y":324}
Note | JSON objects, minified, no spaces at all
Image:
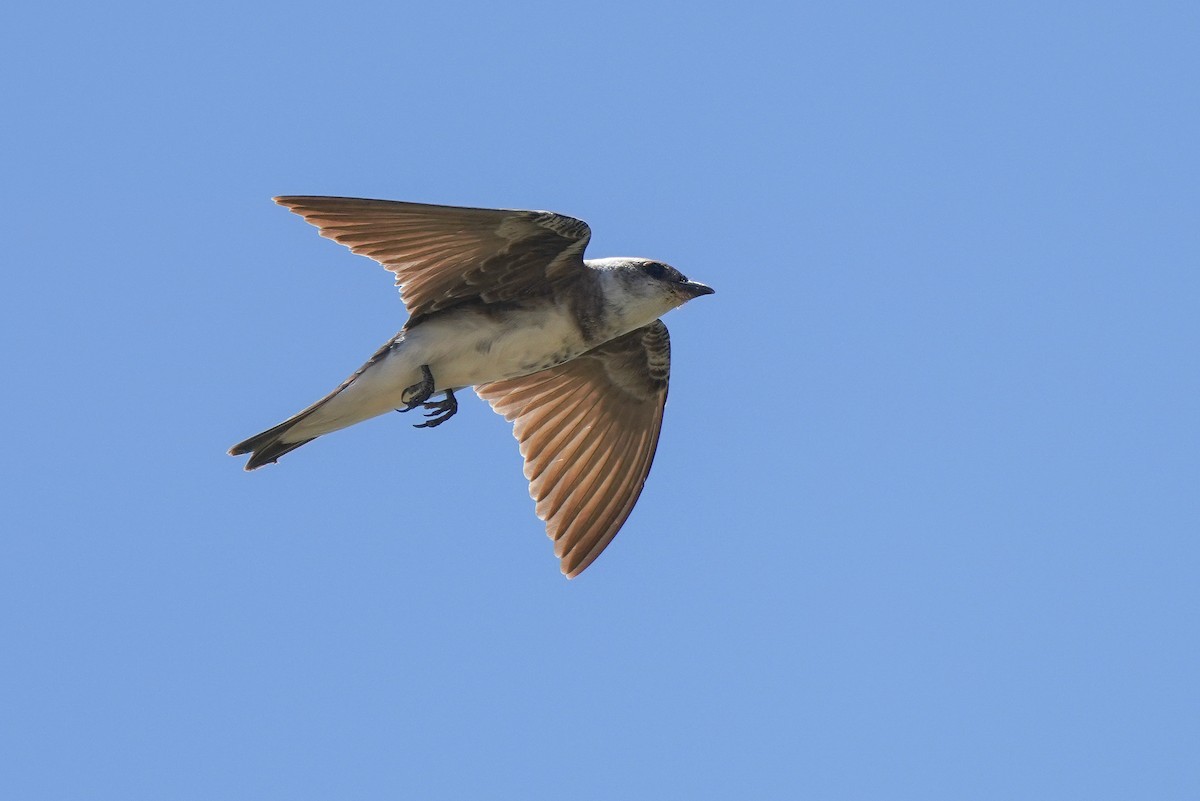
{"x":439,"y":411}
{"x":418,"y":394}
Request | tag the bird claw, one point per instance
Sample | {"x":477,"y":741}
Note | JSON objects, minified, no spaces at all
{"x":419,"y":392}
{"x":418,"y":395}
{"x":439,"y":411}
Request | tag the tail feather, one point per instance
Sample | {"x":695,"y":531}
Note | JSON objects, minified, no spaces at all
{"x":267,"y":447}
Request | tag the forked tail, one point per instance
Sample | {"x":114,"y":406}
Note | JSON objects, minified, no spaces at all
{"x":337,"y":410}
{"x":268,"y":446}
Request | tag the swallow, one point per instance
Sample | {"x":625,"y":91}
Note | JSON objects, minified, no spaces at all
{"x":570,"y":350}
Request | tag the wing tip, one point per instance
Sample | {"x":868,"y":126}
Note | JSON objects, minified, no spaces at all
{"x":572,"y":567}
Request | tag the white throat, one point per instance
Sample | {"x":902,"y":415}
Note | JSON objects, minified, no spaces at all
{"x":631,"y":299}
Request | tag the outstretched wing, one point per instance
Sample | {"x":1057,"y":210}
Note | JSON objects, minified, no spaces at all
{"x":588,"y":430}
{"x":446,"y":255}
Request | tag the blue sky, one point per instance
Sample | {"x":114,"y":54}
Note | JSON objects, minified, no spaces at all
{"x":923,"y":521}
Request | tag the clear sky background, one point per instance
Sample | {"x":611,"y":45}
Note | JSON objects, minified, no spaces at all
{"x":923,"y":522}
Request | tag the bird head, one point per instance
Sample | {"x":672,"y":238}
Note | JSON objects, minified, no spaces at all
{"x":673,"y":285}
{"x":642,"y":290}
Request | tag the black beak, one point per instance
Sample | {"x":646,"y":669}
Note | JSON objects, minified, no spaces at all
{"x":696,"y":289}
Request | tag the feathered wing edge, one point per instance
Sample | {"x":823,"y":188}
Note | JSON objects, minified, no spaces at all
{"x":588,"y":430}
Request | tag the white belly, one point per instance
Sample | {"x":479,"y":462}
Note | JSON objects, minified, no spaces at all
{"x":467,"y":348}
{"x":462,"y":349}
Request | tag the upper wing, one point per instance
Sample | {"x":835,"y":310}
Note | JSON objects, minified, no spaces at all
{"x":444,"y":255}
{"x":588,"y":430}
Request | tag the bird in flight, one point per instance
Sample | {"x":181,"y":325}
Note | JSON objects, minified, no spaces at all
{"x":570,"y":350}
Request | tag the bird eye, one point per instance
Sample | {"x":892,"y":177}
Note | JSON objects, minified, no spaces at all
{"x":655,"y":270}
